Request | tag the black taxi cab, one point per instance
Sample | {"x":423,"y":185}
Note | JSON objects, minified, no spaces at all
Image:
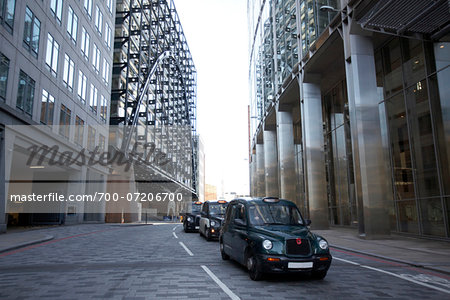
{"x":269,"y":235}
{"x":211,"y":218}
{"x":191,"y":219}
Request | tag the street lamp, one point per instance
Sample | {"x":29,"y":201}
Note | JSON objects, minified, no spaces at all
{"x":328,"y":8}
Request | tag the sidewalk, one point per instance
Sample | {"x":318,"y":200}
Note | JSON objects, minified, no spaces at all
{"x":429,"y":254}
{"x":14,"y":240}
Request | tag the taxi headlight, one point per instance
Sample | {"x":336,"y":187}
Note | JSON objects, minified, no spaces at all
{"x":267,"y":244}
{"x":213,"y":223}
{"x":189,"y":219}
{"x":323,"y":244}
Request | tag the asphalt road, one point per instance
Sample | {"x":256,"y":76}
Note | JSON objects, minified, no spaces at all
{"x":162,"y":262}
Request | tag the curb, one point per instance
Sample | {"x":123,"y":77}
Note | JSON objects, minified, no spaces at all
{"x":405,"y":262}
{"x":130,"y":225}
{"x":29,"y":243}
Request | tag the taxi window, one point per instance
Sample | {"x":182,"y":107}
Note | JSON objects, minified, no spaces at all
{"x":239,"y":212}
{"x":274,"y":215}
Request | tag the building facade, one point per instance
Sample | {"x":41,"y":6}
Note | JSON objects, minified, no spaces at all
{"x":350,"y":112}
{"x":55,"y":72}
{"x":153,"y":102}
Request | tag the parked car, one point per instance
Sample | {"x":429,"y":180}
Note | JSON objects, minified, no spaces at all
{"x":211,"y":218}
{"x":269,"y":235}
{"x":191,"y":220}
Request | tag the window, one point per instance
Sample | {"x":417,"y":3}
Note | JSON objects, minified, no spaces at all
{"x":109,"y":4}
{"x":98,"y":19}
{"x":7,"y":9}
{"x":51,"y":59}
{"x":105,"y":73}
{"x":56,"y":9}
{"x":91,"y":138}
{"x":79,"y":131}
{"x":64,"y":121}
{"x":47,"y":108}
{"x":101,"y":142}
{"x":96,"y":58}
{"x":31,"y":32}
{"x":103,"y":108}
{"x":108,"y":32}
{"x":85,"y":40}
{"x":93,"y":99}
{"x":4,"y":70}
{"x":25,"y":93}
{"x":69,"y":68}
{"x":88,"y":7}
{"x":72,"y":24}
{"x":82,"y":86}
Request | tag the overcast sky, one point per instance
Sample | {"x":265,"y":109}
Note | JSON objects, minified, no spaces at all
{"x":216,"y":32}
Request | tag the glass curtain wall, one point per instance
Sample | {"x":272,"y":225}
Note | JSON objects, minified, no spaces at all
{"x":339,"y":159}
{"x":406,"y":70}
{"x":286,"y":31}
{"x":314,"y":21}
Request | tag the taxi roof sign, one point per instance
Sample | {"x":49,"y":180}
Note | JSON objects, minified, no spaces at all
{"x":271,"y":199}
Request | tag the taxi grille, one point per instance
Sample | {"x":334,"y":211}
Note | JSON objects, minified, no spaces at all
{"x":293,"y":248}
{"x":197,"y":220}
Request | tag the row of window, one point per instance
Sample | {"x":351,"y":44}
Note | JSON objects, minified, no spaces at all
{"x":52,"y":56}
{"x":65,"y":117}
{"x":26,"y":88}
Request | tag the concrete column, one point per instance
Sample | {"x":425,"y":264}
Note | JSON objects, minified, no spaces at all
{"x":260,"y":172}
{"x":271,"y":163}
{"x":366,"y":135}
{"x":316,"y":185}
{"x":286,"y":157}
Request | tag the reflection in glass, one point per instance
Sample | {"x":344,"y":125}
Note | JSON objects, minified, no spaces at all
{"x":407,"y":215}
{"x":432,"y":217}
{"x":422,"y":140}
{"x":401,"y":152}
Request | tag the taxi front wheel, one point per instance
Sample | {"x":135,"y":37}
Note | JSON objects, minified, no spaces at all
{"x":319,"y":274}
{"x":253,"y":268}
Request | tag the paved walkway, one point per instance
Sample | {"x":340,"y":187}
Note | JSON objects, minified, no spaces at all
{"x":430,"y":254}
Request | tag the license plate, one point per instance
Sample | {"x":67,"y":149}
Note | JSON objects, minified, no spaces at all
{"x":197,"y":227}
{"x":300,"y":265}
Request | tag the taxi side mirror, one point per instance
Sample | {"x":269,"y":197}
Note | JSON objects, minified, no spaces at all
{"x":307,"y":222}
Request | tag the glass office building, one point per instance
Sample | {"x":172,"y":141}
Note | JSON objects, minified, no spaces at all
{"x":353,"y":125}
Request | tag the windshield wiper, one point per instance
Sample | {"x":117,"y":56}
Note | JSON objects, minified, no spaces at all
{"x":274,"y":223}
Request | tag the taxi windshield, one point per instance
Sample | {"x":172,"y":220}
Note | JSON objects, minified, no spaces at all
{"x":217,"y":208}
{"x":274,"y":214}
{"x":196,"y":208}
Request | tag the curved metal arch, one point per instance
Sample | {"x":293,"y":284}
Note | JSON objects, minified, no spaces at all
{"x":135,"y":114}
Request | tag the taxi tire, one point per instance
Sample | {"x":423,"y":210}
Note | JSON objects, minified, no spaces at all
{"x":222,"y":252}
{"x":252,"y":267}
{"x":319,"y":275}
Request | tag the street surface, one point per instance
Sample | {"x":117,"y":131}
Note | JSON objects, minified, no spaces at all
{"x":160,"y":261}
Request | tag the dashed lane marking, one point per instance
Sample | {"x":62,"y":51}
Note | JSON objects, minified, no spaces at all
{"x":186,"y":248}
{"x":174,"y":235}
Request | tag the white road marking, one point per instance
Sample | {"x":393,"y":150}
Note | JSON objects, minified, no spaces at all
{"x":347,"y":261}
{"x":175,"y":227}
{"x":186,"y":248}
{"x":407,"y":278}
{"x":175,"y":235}
{"x":220,"y":284}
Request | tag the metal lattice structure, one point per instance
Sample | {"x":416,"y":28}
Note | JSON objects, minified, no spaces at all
{"x":154,"y":83}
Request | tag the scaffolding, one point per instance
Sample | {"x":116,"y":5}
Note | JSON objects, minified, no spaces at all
{"x":153,"y":97}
